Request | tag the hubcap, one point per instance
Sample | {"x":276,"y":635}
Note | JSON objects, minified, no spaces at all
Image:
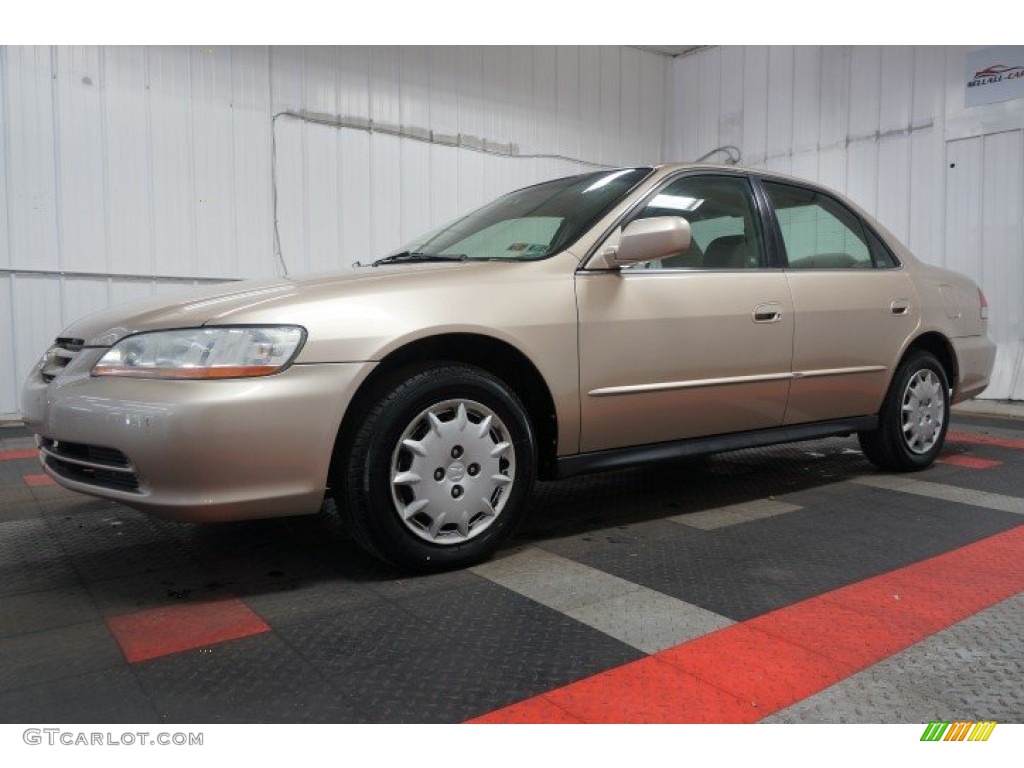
{"x":452,"y":471}
{"x":924,"y":411}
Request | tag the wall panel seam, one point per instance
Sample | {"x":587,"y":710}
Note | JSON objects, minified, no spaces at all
{"x":58,"y":201}
{"x":234,"y":162}
{"x":55,"y":112}
{"x":193,"y":208}
{"x":104,"y":149}
{"x":150,"y":177}
{"x":4,"y":86}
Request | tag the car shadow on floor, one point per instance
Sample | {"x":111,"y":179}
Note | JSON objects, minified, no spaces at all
{"x":130,"y":560}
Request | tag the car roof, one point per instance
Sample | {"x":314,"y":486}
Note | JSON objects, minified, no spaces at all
{"x":666,"y":168}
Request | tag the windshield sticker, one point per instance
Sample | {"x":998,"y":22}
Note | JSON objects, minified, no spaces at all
{"x":517,"y":247}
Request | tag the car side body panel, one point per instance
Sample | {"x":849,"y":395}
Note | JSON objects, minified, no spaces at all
{"x":947,"y":302}
{"x":673,"y":354}
{"x":851,"y":326}
{"x":529,"y":305}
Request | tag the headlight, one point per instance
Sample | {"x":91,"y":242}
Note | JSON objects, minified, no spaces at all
{"x":203,"y":353}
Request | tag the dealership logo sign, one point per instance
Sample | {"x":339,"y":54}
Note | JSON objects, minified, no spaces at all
{"x":994,"y":74}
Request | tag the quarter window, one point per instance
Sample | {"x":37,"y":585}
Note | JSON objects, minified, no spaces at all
{"x":880,"y":252}
{"x":725,"y":228}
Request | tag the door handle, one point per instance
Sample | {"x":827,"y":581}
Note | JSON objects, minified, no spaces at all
{"x":767,"y":313}
{"x":899,"y":306}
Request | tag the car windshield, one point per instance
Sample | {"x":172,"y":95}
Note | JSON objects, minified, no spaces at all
{"x":530,"y":223}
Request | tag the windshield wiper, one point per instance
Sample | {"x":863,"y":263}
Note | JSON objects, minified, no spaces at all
{"x":419,"y":256}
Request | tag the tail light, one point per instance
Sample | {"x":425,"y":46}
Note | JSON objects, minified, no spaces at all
{"x":984,"y":304}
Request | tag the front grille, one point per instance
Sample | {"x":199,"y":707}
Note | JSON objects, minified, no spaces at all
{"x":59,"y":355}
{"x":91,"y":464}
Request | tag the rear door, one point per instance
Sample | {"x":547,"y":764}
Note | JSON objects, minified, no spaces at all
{"x":855,"y":306}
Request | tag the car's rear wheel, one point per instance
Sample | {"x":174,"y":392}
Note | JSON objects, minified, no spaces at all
{"x":439,"y":469}
{"x":914,"y":416}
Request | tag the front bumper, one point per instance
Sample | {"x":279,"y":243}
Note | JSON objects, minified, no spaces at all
{"x":193,"y":450}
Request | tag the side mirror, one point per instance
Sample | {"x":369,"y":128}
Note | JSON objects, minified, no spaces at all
{"x":645,"y":240}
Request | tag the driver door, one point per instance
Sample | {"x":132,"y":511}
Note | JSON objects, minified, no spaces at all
{"x":697,"y":344}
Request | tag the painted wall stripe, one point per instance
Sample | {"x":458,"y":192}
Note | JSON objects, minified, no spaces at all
{"x":643,"y":618}
{"x":945,"y":492}
{"x":734,"y":514}
{"x":747,"y":671}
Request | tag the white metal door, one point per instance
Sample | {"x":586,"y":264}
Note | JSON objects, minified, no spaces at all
{"x":984,"y":228}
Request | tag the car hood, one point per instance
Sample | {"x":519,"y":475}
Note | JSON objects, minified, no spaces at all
{"x":198,"y":306}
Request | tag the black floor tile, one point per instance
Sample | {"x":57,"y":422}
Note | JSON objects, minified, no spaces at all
{"x":102,"y":543}
{"x":108,"y":696}
{"x":447,"y":656}
{"x":35,"y":611}
{"x":255,"y":679}
{"x":32,"y":559}
{"x":53,"y":654}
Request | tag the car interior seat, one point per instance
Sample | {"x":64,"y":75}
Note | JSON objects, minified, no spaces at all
{"x":689,"y":259}
{"x":729,"y":252}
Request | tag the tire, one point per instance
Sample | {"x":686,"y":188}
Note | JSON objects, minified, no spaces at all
{"x":439,"y":470}
{"x":914,"y":416}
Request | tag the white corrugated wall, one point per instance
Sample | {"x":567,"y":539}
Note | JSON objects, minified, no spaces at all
{"x":126,"y":171}
{"x":886,"y":125}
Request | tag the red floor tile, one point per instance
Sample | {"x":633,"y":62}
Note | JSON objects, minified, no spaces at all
{"x":766,"y":671}
{"x":973,"y":439}
{"x":38,"y":480}
{"x":924,"y":606}
{"x":13,"y":455}
{"x":161,"y":631}
{"x":650,"y":691}
{"x":971,"y":462}
{"x":536,"y":710}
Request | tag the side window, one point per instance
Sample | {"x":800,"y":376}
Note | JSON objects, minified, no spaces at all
{"x":818,"y":232}
{"x":725,"y":228}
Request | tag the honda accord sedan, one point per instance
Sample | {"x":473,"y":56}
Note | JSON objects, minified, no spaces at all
{"x":586,"y":323}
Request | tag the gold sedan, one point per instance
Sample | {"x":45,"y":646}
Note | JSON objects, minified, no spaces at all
{"x":606,"y":319}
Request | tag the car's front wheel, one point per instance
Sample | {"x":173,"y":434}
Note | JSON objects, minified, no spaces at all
{"x":439,"y":469}
{"x":914,"y":416}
